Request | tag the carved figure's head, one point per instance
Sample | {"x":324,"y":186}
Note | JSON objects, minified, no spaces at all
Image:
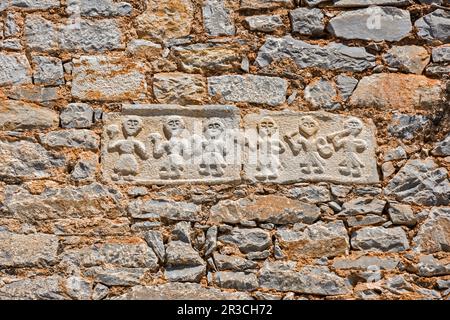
{"x":308,"y":126}
{"x":174,"y":126}
{"x":354,"y":125}
{"x":213,"y":128}
{"x":267,"y":127}
{"x":132,"y":125}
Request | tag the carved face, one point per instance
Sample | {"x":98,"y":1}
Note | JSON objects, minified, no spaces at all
{"x":308,"y":126}
{"x":354,"y":126}
{"x":213,"y":128}
{"x":174,"y":126}
{"x":132,"y":125}
{"x":267,"y":127}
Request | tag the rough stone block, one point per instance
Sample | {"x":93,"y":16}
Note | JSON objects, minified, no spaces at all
{"x":287,"y":147}
{"x":14,"y":69}
{"x":20,"y":116}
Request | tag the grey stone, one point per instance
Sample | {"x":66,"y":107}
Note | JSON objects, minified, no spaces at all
{"x":429,"y":266}
{"x":398,"y":285}
{"x":258,"y":255}
{"x":380,"y":239}
{"x":20,"y":116}
{"x":366,"y":220}
{"x":421,"y":182}
{"x":322,"y":94}
{"x":185,"y":274}
{"x":410,"y":59}
{"x":434,"y":26}
{"x":401,"y":214}
{"x":281,"y":276}
{"x":18,"y":250}
{"x":248,"y":240}
{"x":265,"y":23}
{"x":179,"y":88}
{"x":395,"y":154}
{"x":71,"y":138}
{"x":311,"y":193}
{"x":11,"y":44}
{"x":182,"y":231}
{"x":14,"y":69}
{"x":181,"y":254}
{"x":78,"y":288}
{"x":27,"y":160}
{"x":208,"y":57}
{"x":98,"y":8}
{"x":443,"y":284}
{"x":180,"y":291}
{"x":345,"y":86}
{"x":270,"y":208}
{"x":85,"y":169}
{"x":366,"y":205}
{"x":364,"y":262}
{"x":40,"y":34}
{"x":233,"y":263}
{"x":441,"y":54}
{"x":48,"y":71}
{"x":165,"y":210}
{"x":334,"y":56}
{"x":137,"y":191}
{"x":306,"y":21}
{"x":249,"y":88}
{"x":108,"y":78}
{"x":32,"y":4}
{"x":407,"y":126}
{"x":116,"y":276}
{"x":236,"y":280}
{"x":436,"y":70}
{"x":100,"y":292}
{"x":155,"y":240}
{"x":217,"y":18}
{"x":36,"y":288}
{"x":314,"y":3}
{"x":374,"y":23}
{"x":211,"y":240}
{"x":388,"y":169}
{"x":77,"y":115}
{"x":442,"y":148}
{"x":367,"y":3}
{"x":433,"y":235}
{"x":340,"y":191}
{"x":317,"y":240}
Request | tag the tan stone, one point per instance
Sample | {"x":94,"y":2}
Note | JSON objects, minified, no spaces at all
{"x":108,"y":78}
{"x":397,"y":92}
{"x":171,"y":144}
{"x":208,"y":58}
{"x":16,"y":115}
{"x":310,"y":146}
{"x":179,"y":88}
{"x":165,"y":19}
{"x":271,"y":208}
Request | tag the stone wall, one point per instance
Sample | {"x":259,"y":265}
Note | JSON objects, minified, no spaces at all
{"x":224,"y":149}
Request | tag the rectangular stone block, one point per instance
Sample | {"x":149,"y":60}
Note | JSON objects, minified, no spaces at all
{"x":171,"y":144}
{"x":288,"y":147}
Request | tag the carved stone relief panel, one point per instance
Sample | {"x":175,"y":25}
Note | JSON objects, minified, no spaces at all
{"x":288,"y":147}
{"x":171,"y":144}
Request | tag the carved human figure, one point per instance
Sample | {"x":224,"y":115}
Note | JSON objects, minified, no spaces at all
{"x":268,"y":148}
{"x":213,"y":148}
{"x":176,"y":148}
{"x":127,"y":167}
{"x":351,"y":145}
{"x":313,"y":148}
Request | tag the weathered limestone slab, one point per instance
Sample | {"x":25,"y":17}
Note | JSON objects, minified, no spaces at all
{"x":286,"y":147}
{"x":165,"y":19}
{"x":104,"y":78}
{"x":170,"y":144}
{"x":19,"y":250}
{"x":16,"y":115}
{"x":14,"y":69}
{"x":368,"y":3}
{"x":29,"y":4}
{"x":266,"y":4}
